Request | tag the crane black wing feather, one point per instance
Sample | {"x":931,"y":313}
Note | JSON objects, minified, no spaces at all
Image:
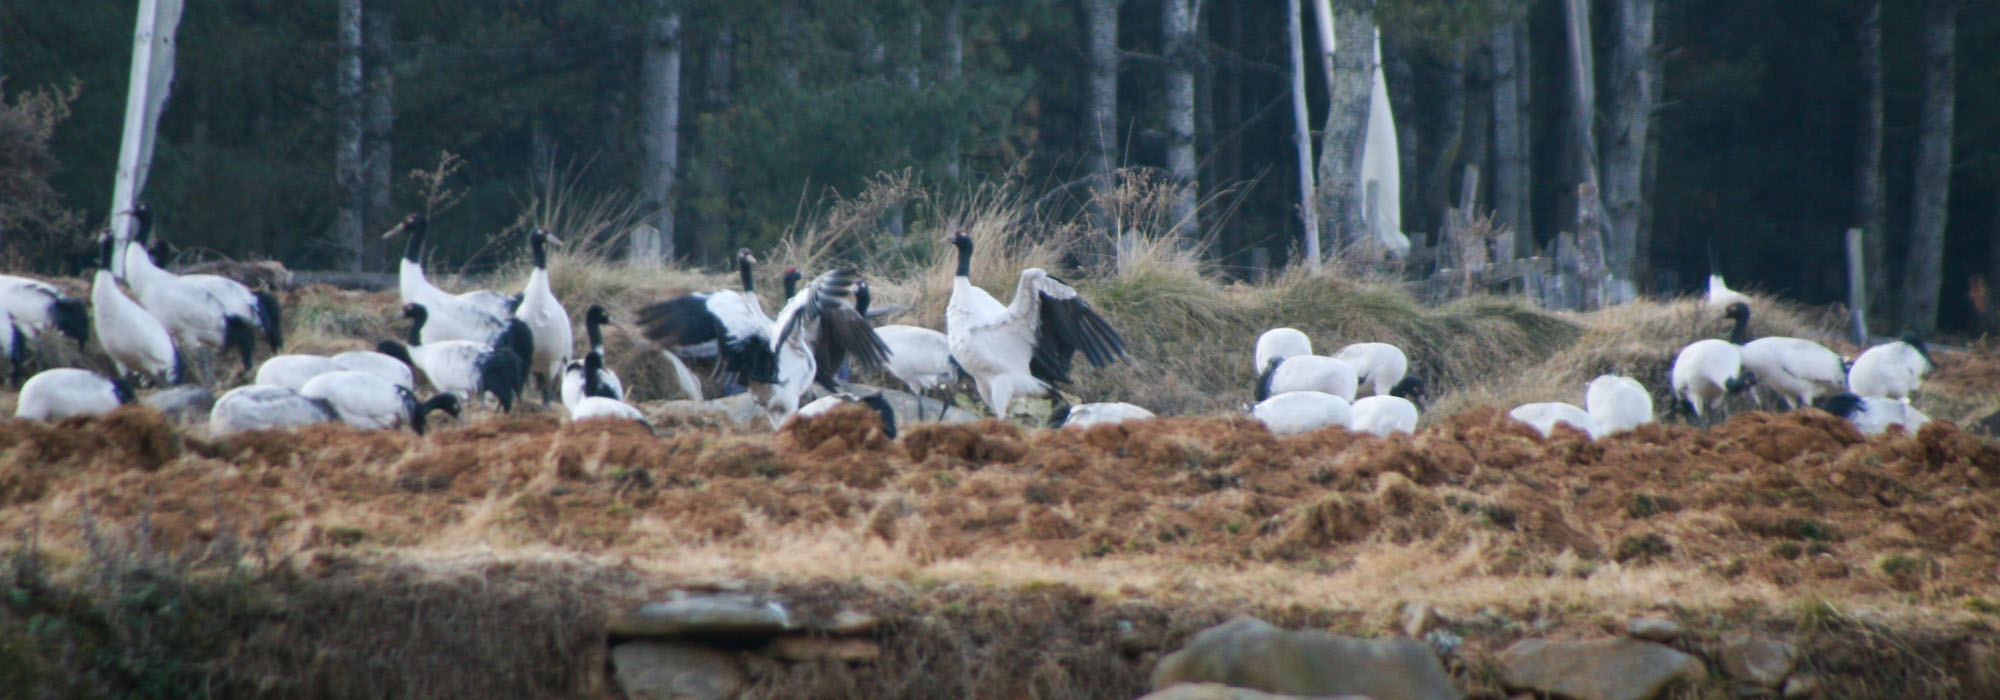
{"x":678,"y":322}
{"x":1068,"y":326}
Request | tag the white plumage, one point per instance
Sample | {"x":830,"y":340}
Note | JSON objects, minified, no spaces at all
{"x":1309,"y":373}
{"x":369,"y":402}
{"x":293,"y":371}
{"x":1894,"y":370}
{"x":1024,"y":348}
{"x":36,"y":306}
{"x":554,"y":339}
{"x":1384,"y":415}
{"x":266,"y":407}
{"x":1089,"y":414}
{"x":1278,"y":344}
{"x":1796,"y":369}
{"x":390,"y":360}
{"x":573,"y":379}
{"x":1706,"y":371}
{"x":1874,"y":415}
{"x":1617,"y":404}
{"x":63,"y":392}
{"x":1377,"y":366}
{"x":599,"y":407}
{"x":1297,"y":412}
{"x":920,"y":358}
{"x":818,"y":319}
{"x":728,"y":324}
{"x":1720,"y":296}
{"x":259,"y":311}
{"x":135,"y":340}
{"x":193,"y":316}
{"x":1546,"y":415}
{"x":463,"y":367}
{"x":415,"y":288}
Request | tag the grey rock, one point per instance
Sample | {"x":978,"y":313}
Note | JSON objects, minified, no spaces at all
{"x":723,"y":615}
{"x":186,"y":403}
{"x":653,"y":670}
{"x":1765,"y":662}
{"x":1615,"y":668}
{"x":1419,"y":618}
{"x":1653,"y":629}
{"x":1217,"y":691}
{"x":1250,"y":653}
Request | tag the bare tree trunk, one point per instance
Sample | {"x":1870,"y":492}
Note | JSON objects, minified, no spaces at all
{"x":1451,"y":128}
{"x":1341,"y":139}
{"x":1100,"y":22}
{"x":712,"y":184}
{"x":1177,"y":22}
{"x":1630,"y":116}
{"x":659,"y":135}
{"x":950,"y":70}
{"x":1510,"y":136}
{"x":349,"y":204}
{"x":1302,"y":137}
{"x":378,"y":64}
{"x":1923,"y":268}
{"x":1871,"y":202}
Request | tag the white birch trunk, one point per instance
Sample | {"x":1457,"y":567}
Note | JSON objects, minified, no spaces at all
{"x":1630,"y":112}
{"x":349,"y":202}
{"x":1178,"y":18}
{"x":659,"y":138}
{"x":1100,"y":18}
{"x":1302,"y":137}
{"x":145,"y":97}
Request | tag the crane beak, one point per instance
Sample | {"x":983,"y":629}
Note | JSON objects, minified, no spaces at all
{"x":398,"y":228}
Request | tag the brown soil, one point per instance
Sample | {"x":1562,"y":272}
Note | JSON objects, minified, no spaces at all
{"x":1769,"y":517}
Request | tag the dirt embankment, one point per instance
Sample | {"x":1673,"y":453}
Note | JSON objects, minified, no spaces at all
{"x":1768,"y":517}
{"x":1774,"y":497}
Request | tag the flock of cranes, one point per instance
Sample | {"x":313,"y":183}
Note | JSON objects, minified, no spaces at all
{"x":471,"y":346}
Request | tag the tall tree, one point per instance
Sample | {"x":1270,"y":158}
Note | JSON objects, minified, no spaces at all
{"x":711,"y":155}
{"x":1871,"y":203}
{"x":1178,"y":19}
{"x":1931,"y":184}
{"x":1632,"y":92}
{"x":1100,"y":30}
{"x":1302,"y":136}
{"x":1348,"y":81}
{"x":349,"y":202}
{"x":1510,"y":135}
{"x":659,"y":133}
{"x":951,"y":68}
{"x":377,"y":61}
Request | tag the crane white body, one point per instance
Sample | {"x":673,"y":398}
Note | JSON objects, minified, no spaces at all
{"x":1377,"y":366}
{"x":1313,"y":373}
{"x":1796,"y":369}
{"x":1278,"y":344}
{"x":1544,"y":416}
{"x":266,"y":407}
{"x":1384,"y":415}
{"x":135,"y":340}
{"x":1296,"y":412}
{"x":293,"y":371}
{"x":1617,"y":404}
{"x":65,"y":391}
